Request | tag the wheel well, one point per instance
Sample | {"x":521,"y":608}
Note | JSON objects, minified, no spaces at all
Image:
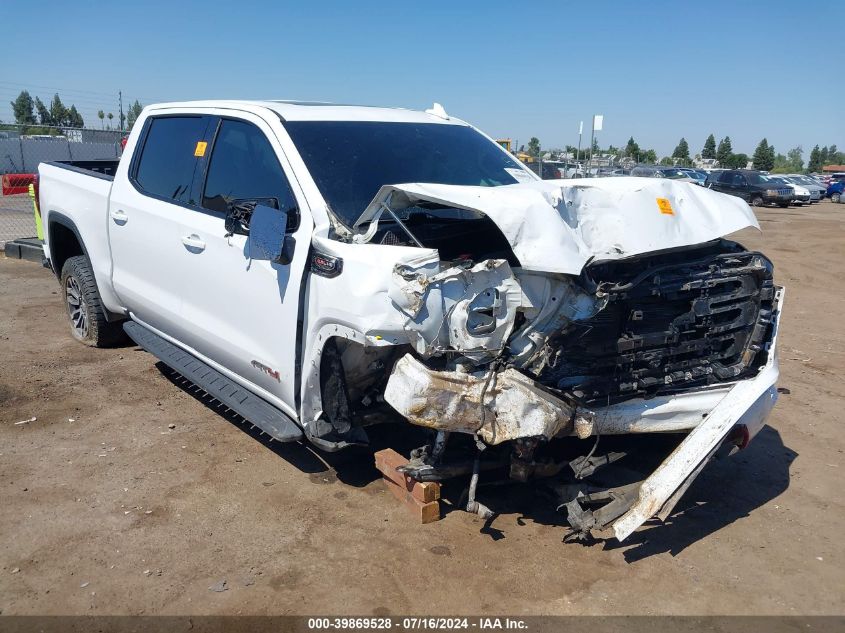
{"x":64,"y":244}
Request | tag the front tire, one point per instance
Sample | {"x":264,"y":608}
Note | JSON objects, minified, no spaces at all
{"x":757,"y":201}
{"x":88,"y":322}
{"x":835,"y":197}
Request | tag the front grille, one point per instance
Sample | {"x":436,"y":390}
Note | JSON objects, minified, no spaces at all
{"x":675,"y":320}
{"x":785,"y":192}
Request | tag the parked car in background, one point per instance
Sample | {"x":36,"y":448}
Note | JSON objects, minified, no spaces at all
{"x":802,"y":194}
{"x":606,"y":172}
{"x":811,"y":184}
{"x":756,"y":188}
{"x":562,"y":169}
{"x":660,"y":171}
{"x":699,"y":177}
{"x":676,"y":173}
{"x":834,"y":191}
{"x":646,"y":171}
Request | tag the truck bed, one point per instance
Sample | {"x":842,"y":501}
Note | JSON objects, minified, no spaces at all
{"x":74,"y":195}
{"x":99,"y":168}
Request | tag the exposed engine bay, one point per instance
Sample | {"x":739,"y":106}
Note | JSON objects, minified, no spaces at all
{"x":516,"y":336}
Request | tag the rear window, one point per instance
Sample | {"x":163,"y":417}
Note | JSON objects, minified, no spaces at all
{"x":170,"y":156}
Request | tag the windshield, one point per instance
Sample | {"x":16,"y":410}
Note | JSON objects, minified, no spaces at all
{"x":762,"y":179}
{"x":351,"y":160}
{"x":675,"y":173}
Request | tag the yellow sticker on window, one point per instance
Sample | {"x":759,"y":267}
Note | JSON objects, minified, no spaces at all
{"x":200,"y":149}
{"x":665,"y":206}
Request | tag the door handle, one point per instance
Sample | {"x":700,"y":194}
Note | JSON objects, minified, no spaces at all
{"x":119,"y":216}
{"x":194,"y":242}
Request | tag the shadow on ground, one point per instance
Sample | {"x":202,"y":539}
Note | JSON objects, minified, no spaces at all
{"x":728,"y":489}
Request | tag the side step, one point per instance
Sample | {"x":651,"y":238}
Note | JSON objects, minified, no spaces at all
{"x":246,"y":404}
{"x":25,"y":248}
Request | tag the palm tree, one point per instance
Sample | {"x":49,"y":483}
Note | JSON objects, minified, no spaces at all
{"x":102,"y":116}
{"x":111,"y":116}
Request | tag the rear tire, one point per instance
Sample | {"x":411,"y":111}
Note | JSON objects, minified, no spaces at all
{"x":835,"y":197}
{"x":88,"y":322}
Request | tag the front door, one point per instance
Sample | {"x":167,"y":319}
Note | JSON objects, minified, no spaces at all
{"x":244,"y":314}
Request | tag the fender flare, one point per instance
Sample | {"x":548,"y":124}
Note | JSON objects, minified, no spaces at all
{"x":53,"y":218}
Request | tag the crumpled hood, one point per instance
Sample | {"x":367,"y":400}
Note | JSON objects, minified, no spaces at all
{"x":558,"y":225}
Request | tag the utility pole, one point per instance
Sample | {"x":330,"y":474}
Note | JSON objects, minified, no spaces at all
{"x":120,"y":107}
{"x":598,"y":119}
{"x":580,"y":132}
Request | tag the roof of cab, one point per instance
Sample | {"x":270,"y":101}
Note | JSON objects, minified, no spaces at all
{"x":318,"y":111}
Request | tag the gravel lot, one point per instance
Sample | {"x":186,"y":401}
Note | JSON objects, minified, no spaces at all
{"x":107,"y":510}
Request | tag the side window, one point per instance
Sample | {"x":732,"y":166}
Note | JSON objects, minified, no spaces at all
{"x":168,"y":159}
{"x":739,"y":180}
{"x":726,"y":177}
{"x":243,"y":166}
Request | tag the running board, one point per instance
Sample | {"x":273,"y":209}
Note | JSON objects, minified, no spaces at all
{"x":253,"y":409}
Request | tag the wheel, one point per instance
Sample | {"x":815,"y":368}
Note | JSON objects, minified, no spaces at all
{"x":757,"y":201}
{"x":835,"y":197}
{"x":88,"y":323}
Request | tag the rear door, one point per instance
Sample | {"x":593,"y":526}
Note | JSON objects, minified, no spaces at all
{"x":244,"y":314}
{"x":145,"y":218}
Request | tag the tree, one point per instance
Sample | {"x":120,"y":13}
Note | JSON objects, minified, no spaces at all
{"x":796,"y":162}
{"x":666,"y":160}
{"x":632,"y":149}
{"x":110,"y":116}
{"x":22,"y":109}
{"x":815,"y":163}
{"x":101,"y":115}
{"x":737,"y":161}
{"x":724,"y":151}
{"x":771,"y":155}
{"x":709,"y":150}
{"x":534,"y":146}
{"x":44,"y":117}
{"x":825,"y":155}
{"x":782,"y":165}
{"x":74,"y":119}
{"x":763,"y":158}
{"x":58,"y":112}
{"x":649,"y":156}
{"x":135,"y":112}
{"x":682,"y":152}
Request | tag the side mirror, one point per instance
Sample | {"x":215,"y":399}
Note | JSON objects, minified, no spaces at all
{"x":267,"y":238}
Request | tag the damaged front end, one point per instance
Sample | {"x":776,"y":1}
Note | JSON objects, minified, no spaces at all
{"x":590,"y":324}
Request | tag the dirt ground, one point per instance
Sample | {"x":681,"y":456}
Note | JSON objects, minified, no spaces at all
{"x":106,"y":510}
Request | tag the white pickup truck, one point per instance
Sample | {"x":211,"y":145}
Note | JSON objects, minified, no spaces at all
{"x":321,"y":268}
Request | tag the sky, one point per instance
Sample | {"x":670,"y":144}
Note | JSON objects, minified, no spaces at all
{"x":657,"y":71}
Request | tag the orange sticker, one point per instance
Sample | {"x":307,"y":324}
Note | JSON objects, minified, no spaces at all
{"x":665,"y":206}
{"x":200,"y":149}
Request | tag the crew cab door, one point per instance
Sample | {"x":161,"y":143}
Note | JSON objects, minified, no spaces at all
{"x":244,"y":314}
{"x":145,"y":217}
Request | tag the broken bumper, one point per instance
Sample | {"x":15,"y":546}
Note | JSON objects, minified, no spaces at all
{"x":516,"y":407}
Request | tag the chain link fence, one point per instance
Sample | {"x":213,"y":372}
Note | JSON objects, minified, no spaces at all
{"x":16,"y":218}
{"x":23,"y":147}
